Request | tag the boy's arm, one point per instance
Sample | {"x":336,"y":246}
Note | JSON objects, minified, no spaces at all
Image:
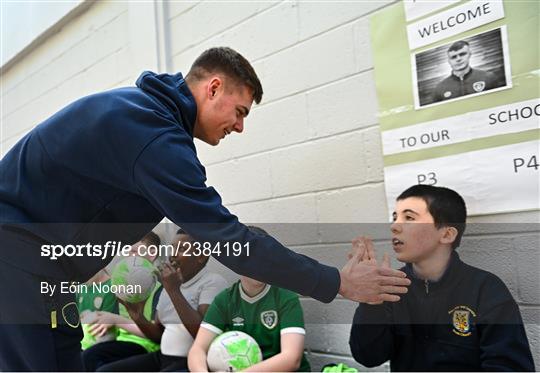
{"x":106,"y":320}
{"x":288,"y":360}
{"x":372,"y":340}
{"x":198,"y":352}
{"x":190,"y":317}
{"x":503,"y":341}
{"x":171,"y":279}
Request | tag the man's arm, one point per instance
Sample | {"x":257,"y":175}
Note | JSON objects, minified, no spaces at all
{"x":169,"y":175}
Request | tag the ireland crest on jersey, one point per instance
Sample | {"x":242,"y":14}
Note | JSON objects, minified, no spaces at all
{"x":269,"y":319}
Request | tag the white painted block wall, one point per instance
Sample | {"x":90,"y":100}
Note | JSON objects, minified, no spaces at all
{"x":85,"y":56}
{"x":311,"y":152}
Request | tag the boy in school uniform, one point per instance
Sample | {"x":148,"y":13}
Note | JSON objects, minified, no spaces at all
{"x":455,"y":317}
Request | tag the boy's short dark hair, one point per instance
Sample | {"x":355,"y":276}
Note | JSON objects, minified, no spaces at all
{"x":445,"y":205}
{"x":151,"y":239}
{"x":230,"y":63}
{"x":458,"y":45}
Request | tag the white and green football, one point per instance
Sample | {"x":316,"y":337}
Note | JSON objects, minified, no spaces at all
{"x":232,"y":352}
{"x":133,"y":279}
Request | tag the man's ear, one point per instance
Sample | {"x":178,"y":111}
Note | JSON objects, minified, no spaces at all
{"x":213,"y":86}
{"x":449,"y":235}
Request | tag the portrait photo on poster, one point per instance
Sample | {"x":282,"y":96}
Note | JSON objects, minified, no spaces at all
{"x":461,"y":69}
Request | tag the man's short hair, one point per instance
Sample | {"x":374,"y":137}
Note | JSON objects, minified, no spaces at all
{"x":230,"y":63}
{"x":151,"y":239}
{"x":445,"y":205}
{"x":458,"y":45}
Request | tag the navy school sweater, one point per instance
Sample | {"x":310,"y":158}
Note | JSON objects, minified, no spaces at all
{"x":466,"y":321}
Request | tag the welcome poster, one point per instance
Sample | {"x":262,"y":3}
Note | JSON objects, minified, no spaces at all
{"x":458,"y":87}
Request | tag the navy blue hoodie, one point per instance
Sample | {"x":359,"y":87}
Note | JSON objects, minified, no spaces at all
{"x":110,"y":166}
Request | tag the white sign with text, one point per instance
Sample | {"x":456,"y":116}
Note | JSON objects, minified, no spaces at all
{"x":482,"y":177}
{"x":511,"y":118}
{"x":453,"y":21}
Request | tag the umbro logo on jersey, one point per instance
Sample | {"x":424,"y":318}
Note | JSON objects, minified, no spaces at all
{"x":238,"y":321}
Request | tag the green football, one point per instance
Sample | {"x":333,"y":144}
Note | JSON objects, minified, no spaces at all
{"x":232,"y":352}
{"x":133,"y":279}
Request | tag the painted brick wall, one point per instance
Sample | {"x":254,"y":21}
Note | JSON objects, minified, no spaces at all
{"x":311,"y":152}
{"x":85,"y":56}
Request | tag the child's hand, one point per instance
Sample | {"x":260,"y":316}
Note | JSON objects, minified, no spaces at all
{"x":102,"y":323}
{"x":171,"y":277}
{"x":363,"y":244}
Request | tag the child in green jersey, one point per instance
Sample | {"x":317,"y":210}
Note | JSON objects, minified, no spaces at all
{"x":90,"y":304}
{"x":130,"y":340}
{"x":272,"y":316}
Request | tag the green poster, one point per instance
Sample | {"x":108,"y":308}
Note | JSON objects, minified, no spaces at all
{"x":458,"y":90}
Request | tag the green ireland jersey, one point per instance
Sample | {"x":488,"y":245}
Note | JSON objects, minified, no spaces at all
{"x":149,"y":312}
{"x":265,"y":317}
{"x":93,"y":301}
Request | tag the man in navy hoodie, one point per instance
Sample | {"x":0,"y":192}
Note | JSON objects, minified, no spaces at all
{"x":106,"y":169}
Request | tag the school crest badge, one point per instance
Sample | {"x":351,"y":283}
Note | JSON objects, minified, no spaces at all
{"x":269,"y":319}
{"x":462,"y":320}
{"x":479,"y":86}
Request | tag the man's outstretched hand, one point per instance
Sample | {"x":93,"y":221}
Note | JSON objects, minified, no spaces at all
{"x":363,"y":280}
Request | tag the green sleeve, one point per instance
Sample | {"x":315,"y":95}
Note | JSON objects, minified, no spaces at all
{"x":290,"y":311}
{"x":216,"y":314}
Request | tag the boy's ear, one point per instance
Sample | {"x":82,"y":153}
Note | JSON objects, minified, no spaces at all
{"x":202,"y":259}
{"x":449,"y":235}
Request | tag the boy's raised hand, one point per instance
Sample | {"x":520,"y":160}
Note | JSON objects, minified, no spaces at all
{"x":171,"y":277}
{"x":370,"y":257}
